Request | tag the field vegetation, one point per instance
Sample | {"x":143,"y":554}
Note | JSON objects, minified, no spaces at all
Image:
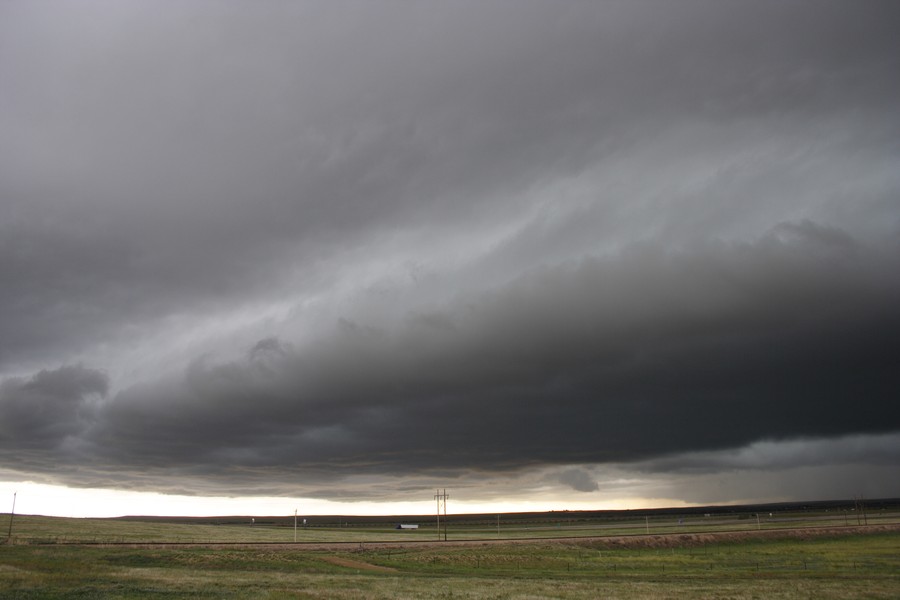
{"x":154,"y":558}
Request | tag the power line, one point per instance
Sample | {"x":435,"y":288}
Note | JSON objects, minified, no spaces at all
{"x":441,"y":497}
{"x":11,"y":514}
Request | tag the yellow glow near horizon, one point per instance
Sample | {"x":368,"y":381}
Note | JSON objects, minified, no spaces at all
{"x":60,"y":501}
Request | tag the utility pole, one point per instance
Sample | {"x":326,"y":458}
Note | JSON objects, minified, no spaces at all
{"x":11,"y":514}
{"x":441,"y":498}
{"x":295,"y":525}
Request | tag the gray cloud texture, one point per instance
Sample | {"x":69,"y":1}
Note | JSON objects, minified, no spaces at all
{"x":240,"y":244}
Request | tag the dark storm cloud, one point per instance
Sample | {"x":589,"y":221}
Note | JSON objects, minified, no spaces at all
{"x":643,"y":355}
{"x":160,"y":161}
{"x":579,"y":480}
{"x":467,"y":237}
{"x":876,"y":450}
{"x":43,"y":410}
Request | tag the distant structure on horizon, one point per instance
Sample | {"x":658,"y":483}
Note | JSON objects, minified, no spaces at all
{"x":407,"y":526}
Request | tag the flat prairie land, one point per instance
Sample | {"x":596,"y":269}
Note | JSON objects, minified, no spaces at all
{"x":824,"y":562}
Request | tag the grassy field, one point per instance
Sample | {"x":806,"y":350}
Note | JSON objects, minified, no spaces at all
{"x":831,"y":567}
{"x":83,"y":558}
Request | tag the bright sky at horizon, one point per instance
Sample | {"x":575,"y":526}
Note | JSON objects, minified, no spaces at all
{"x":59,"y":501}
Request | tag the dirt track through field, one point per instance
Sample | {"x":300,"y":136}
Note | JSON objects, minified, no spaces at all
{"x":357,"y":564}
{"x":674,"y":540}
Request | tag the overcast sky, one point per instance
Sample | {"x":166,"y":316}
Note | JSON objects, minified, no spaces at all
{"x":580,"y":253}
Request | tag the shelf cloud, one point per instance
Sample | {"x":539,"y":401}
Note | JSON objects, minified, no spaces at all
{"x":364,"y":247}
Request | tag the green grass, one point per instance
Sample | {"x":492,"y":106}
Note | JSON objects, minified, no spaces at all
{"x":850,"y":555}
{"x":865,"y":566}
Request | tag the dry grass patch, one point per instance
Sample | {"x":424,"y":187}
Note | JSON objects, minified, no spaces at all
{"x":357,"y":564}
